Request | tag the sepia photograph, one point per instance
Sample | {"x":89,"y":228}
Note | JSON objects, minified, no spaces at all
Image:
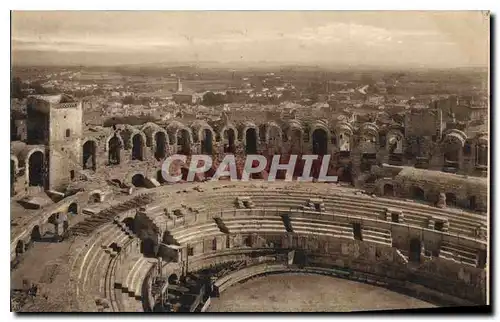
{"x":250,"y":161}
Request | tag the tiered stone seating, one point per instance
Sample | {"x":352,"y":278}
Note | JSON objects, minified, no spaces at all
{"x":415,"y":214}
{"x":133,"y":281}
{"x":94,"y":268}
{"x":184,"y":235}
{"x":244,"y":224}
{"x":321,"y":227}
{"x":377,"y":235}
{"x":458,"y":253}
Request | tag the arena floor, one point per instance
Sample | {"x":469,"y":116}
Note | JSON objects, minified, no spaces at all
{"x":309,"y":293}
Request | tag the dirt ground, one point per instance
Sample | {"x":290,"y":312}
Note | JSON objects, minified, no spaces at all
{"x":309,"y":293}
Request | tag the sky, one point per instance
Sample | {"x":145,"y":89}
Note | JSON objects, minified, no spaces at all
{"x":384,"y":38}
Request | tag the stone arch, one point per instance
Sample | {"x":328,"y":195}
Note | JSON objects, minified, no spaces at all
{"x":369,"y":138}
{"x":229,"y":135}
{"x":114,"y":146}
{"x":417,"y":193}
{"x":36,"y":167}
{"x":388,"y":190}
{"x":173,"y":279}
{"x":89,"y":154}
{"x":251,"y":138}
{"x":451,"y":199}
{"x":149,"y":130}
{"x":344,"y":138}
{"x":452,"y":145}
{"x":95,"y":197}
{"x":36,"y":234}
{"x":181,"y":137}
{"x":184,"y":140}
{"x":394,"y":139}
{"x":482,"y":151}
{"x":160,"y":141}
{"x":273,"y":133}
{"x":73,"y":208}
{"x":20,"y":247}
{"x":129,"y":222}
{"x":138,"y":180}
{"x":206,"y":137}
{"x":138,"y":144}
{"x":394,"y":144}
{"x":295,"y":134}
{"x":319,"y":139}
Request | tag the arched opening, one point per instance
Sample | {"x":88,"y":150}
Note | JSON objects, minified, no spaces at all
{"x":137,"y":147}
{"x":388,"y":190}
{"x":451,"y":199}
{"x":472,"y":202}
{"x":36,"y":161}
{"x":129,"y":222}
{"x":73,"y":209}
{"x":251,"y":141}
{"x":345,"y":174}
{"x":415,"y":250}
{"x":417,"y":193}
{"x":452,"y":149}
{"x":214,"y":244}
{"x":482,"y":155}
{"x":320,"y":142}
{"x":36,"y":235}
{"x":296,"y":141}
{"x":148,"y":248}
{"x":89,"y":155}
{"x":114,"y":150}
{"x":229,"y":138}
{"x":173,"y":279}
{"x":12,"y":177}
{"x":183,"y":142}
{"x":395,"y":149}
{"x":160,"y":145}
{"x":206,"y":142}
{"x":344,"y":145}
{"x":19,"y":247}
{"x":159,"y":177}
{"x":139,"y":181}
{"x":248,"y":241}
{"x":95,"y":198}
{"x":274,"y":139}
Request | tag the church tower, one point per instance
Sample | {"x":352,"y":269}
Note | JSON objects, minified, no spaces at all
{"x":179,"y":84}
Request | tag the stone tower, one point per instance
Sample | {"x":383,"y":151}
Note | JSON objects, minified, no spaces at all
{"x":56,"y":122}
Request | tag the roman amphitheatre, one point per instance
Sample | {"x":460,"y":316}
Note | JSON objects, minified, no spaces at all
{"x":95,"y":228}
